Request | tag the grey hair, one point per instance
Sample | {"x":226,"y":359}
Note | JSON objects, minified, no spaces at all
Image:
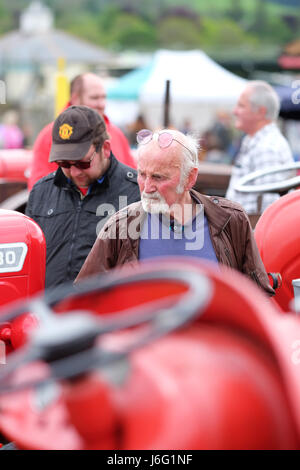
{"x":262,"y":94}
{"x":190,"y":158}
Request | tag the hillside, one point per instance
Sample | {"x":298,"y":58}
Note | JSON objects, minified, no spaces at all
{"x":254,"y":25}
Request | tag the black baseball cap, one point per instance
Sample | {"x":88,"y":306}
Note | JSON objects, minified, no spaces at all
{"x":73,"y":133}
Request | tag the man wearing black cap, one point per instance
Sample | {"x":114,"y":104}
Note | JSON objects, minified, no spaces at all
{"x":72,"y":204}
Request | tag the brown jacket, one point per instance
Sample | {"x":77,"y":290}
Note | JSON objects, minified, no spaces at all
{"x":230,"y":230}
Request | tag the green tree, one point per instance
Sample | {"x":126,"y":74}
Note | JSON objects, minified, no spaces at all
{"x":236,"y":11}
{"x":224,"y":33}
{"x":129,"y":31}
{"x":175,"y":32}
{"x":83,"y":25}
{"x":124,"y":24}
{"x":107,"y":19}
{"x":111,"y":28}
{"x":268,"y":27}
{"x":260,"y":16}
{"x":6,"y":19}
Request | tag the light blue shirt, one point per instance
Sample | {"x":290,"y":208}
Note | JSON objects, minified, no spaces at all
{"x":161,"y":236}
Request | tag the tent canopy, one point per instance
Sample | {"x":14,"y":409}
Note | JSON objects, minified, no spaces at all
{"x":194,"y":77}
{"x":128,"y":87}
{"x":199,"y":87}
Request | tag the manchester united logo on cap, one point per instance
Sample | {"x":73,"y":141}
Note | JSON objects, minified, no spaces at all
{"x":65,"y":131}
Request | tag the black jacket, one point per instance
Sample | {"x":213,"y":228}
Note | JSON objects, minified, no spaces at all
{"x":71,"y":223}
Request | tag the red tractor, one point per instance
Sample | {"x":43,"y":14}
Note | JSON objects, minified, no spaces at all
{"x":276,"y":231}
{"x":22,"y":269}
{"x":174,"y":354}
{"x":14,"y":170}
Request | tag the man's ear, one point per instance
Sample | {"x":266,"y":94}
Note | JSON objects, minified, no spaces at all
{"x":262,"y":111}
{"x":75,"y":99}
{"x":106,"y":148}
{"x":192,"y":178}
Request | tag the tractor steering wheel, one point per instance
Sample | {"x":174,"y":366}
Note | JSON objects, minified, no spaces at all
{"x":280,"y":187}
{"x":67,"y":342}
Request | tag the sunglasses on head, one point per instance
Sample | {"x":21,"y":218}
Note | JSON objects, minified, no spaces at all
{"x":81,"y":165}
{"x":164,"y":139}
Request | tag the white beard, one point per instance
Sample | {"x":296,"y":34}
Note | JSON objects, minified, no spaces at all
{"x":154,"y":203}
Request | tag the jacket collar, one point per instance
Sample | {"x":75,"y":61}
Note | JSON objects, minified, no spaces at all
{"x":215,"y":213}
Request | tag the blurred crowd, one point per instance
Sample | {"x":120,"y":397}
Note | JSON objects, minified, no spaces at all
{"x":11,"y":135}
{"x":218,"y":144}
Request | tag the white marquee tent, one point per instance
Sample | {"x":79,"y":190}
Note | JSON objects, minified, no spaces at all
{"x":199,"y":87}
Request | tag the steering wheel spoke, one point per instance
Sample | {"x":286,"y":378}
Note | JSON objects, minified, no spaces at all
{"x":244,"y":185}
{"x":69,"y":343}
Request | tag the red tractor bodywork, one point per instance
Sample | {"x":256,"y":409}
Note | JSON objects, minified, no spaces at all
{"x":228,"y":380}
{"x":277,"y":238}
{"x":14,"y":172}
{"x":22,"y":268}
{"x":15,"y":164}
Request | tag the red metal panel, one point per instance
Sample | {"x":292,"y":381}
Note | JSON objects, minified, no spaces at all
{"x":14,"y":164}
{"x":226,"y":381}
{"x":22,"y":266}
{"x":277,"y":237}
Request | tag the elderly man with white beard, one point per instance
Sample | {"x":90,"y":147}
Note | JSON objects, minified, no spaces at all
{"x":172,"y":219}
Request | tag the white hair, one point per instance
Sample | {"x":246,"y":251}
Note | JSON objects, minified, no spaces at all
{"x":190,"y":159}
{"x":262,"y":94}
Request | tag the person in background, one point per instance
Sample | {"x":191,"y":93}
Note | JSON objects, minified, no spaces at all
{"x":172,"y":219}
{"x":86,"y":89}
{"x":71,"y":204}
{"x":133,"y":128}
{"x":263,"y":147}
{"x":11,"y":136}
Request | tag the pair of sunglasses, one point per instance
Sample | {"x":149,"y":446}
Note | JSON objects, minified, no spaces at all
{"x":164,"y":139}
{"x":81,"y":165}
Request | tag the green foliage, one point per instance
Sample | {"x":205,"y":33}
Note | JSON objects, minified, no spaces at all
{"x":130,"y":31}
{"x":122,"y":24}
{"x":236,"y":10}
{"x":180,"y":33}
{"x":64,"y":9}
{"x":83,"y":25}
{"x":6,"y":19}
{"x":269,"y":27}
{"x":121,"y":30}
{"x":224,"y":32}
{"x":107,"y":19}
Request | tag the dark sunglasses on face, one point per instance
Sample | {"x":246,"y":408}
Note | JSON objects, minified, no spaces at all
{"x":81,"y":165}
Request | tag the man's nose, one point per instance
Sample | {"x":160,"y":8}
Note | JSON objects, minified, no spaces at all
{"x":149,"y":186}
{"x":74,"y":171}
